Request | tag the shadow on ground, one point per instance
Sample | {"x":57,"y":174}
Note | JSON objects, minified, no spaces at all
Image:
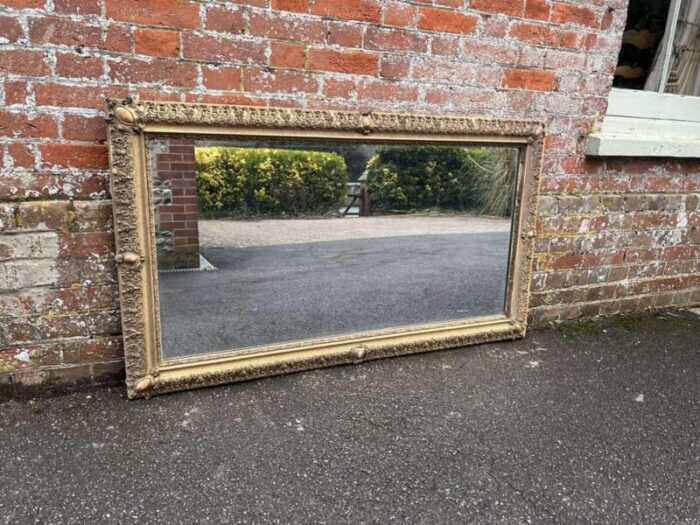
{"x":589,"y":423}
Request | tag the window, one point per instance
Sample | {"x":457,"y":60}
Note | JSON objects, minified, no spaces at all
{"x":654,"y":106}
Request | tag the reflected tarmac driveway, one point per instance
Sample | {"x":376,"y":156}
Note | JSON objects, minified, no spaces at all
{"x":275,"y":293}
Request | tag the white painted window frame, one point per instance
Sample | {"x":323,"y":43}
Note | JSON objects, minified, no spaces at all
{"x":650,"y":123}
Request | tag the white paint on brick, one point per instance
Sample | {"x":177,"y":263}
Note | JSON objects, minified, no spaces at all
{"x":34,"y":262}
{"x":33,"y":244}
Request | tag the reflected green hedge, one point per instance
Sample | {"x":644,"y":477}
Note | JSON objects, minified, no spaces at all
{"x":450,"y":178}
{"x":260,"y":181}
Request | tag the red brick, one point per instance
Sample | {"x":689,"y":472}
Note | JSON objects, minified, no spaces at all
{"x":75,"y":96}
{"x":363,"y":10}
{"x":298,"y":6}
{"x":442,"y":20}
{"x":207,"y":47}
{"x":532,"y":79}
{"x":488,"y":52}
{"x":494,"y":26}
{"x":441,"y":70}
{"x":24,"y":4}
{"x":74,"y":65}
{"x":573,"y":14}
{"x":399,"y":14}
{"x":537,"y":9}
{"x":117,"y":37}
{"x":543,"y":35}
{"x":506,"y":7}
{"x":78,"y":127}
{"x":344,"y":35}
{"x":285,"y":54}
{"x":51,"y":215}
{"x":163,"y":71}
{"x":172,"y":13}
{"x":279,"y":81}
{"x":21,"y":154}
{"x":77,"y":7}
{"x":19,"y":124}
{"x":225,"y":20}
{"x":395,"y":67}
{"x":280,"y":27}
{"x":395,"y":40}
{"x":85,"y":244}
{"x":158,"y":94}
{"x":15,"y":92}
{"x":335,"y":88}
{"x":358,"y":62}
{"x":445,"y":46}
{"x":74,"y":155}
{"x":10,"y":29}
{"x":383,"y":90}
{"x":92,"y":216}
{"x":23,"y":62}
{"x":222,"y":78}
{"x":227,"y":98}
{"x":64,"y":31}
{"x":95,"y":350}
{"x":157,"y":42}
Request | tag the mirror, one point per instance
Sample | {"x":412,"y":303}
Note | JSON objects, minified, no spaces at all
{"x":276,"y":241}
{"x":259,"y":241}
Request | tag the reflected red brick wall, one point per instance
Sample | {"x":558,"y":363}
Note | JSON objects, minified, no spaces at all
{"x":175,"y":179}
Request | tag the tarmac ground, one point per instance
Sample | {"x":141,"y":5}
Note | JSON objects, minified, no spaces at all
{"x":588,"y":422}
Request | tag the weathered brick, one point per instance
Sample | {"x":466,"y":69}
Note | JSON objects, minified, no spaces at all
{"x":171,"y":13}
{"x":530,"y":79}
{"x":222,"y":78}
{"x":275,"y":25}
{"x":10,"y":30}
{"x":78,"y":127}
{"x":344,"y":35}
{"x":280,"y":81}
{"x":395,"y":40}
{"x":358,"y":62}
{"x":537,"y":9}
{"x":508,"y":7}
{"x":27,"y":273}
{"x":365,"y":10}
{"x":78,"y":7}
{"x":157,"y":42}
{"x":74,"y":155}
{"x":86,"y":244}
{"x":432,"y":19}
{"x":14,"y":123}
{"x":383,"y":90}
{"x":225,"y":20}
{"x":285,"y":54}
{"x":43,"y":215}
{"x":572,"y":14}
{"x":74,"y":65}
{"x":299,"y":6}
{"x":23,"y":62}
{"x":400,"y":14}
{"x":213,"y":48}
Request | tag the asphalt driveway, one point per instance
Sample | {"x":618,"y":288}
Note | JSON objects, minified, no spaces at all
{"x":285,"y":292}
{"x":588,"y":423}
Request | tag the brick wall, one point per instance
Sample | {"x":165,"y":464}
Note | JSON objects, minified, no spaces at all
{"x":613,"y":235}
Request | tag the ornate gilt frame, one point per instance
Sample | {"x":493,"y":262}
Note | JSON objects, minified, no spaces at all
{"x":130,"y":122}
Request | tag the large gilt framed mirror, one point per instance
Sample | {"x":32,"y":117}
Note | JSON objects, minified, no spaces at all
{"x":254,"y":241}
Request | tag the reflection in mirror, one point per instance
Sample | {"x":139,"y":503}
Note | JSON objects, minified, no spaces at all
{"x":260,"y":243}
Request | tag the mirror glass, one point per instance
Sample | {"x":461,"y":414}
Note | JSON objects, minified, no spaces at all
{"x":261,"y":242}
